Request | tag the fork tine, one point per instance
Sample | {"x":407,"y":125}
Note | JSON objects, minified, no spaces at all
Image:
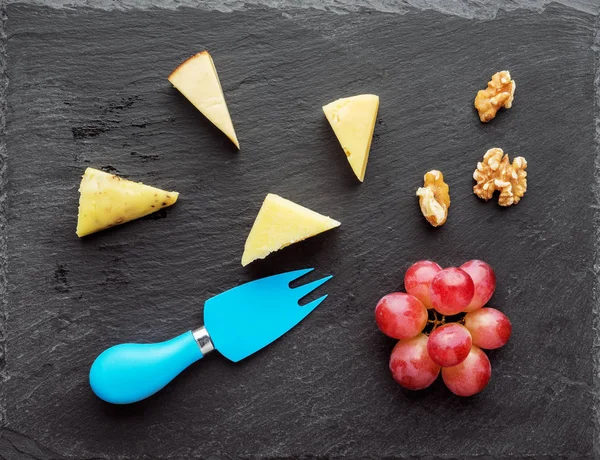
{"x":292,"y":276}
{"x":308,"y":288}
{"x":312,"y":305}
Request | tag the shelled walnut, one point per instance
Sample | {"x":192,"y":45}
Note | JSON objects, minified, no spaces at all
{"x":500,"y":92}
{"x":496,"y":172}
{"x":434,"y":198}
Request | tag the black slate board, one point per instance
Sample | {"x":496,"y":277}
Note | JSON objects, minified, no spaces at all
{"x":89,"y":88}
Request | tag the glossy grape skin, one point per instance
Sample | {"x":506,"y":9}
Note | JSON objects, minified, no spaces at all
{"x":469,"y":377}
{"x":400,"y":316}
{"x":484,"y":279}
{"x":451,"y":291}
{"x":417,"y":280}
{"x":489,"y":328}
{"x":411,"y":365}
{"x":449,"y":345}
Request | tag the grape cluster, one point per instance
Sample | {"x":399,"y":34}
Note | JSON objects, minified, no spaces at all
{"x":442,"y":326}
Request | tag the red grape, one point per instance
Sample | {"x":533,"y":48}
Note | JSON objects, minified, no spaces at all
{"x":411,"y":365}
{"x":469,"y":377}
{"x":400,"y":315}
{"x":451,"y":291}
{"x":489,"y":327}
{"x":418,"y":279}
{"x":449,"y":344}
{"x":484,"y":280}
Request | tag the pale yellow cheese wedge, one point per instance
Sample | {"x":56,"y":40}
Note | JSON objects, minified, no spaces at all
{"x":353,"y":121}
{"x":279,"y":223}
{"x":198,"y":81}
{"x":107,"y":200}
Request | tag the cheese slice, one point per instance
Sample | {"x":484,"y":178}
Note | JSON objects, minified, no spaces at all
{"x":353,"y":121}
{"x":198,"y":81}
{"x":279,"y":223}
{"x":107,"y":200}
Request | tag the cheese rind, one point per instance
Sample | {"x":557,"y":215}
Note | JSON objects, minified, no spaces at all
{"x":282,"y":222}
{"x":107,"y":200}
{"x":353,"y":122}
{"x":198,"y":81}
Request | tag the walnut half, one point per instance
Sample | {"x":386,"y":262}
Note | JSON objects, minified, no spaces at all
{"x":434,"y":198}
{"x":500,"y":92}
{"x":496,"y":172}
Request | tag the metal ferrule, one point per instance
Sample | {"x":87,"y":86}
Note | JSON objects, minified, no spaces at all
{"x":203,"y":340}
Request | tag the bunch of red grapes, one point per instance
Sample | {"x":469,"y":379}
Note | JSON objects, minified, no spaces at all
{"x":442,"y":326}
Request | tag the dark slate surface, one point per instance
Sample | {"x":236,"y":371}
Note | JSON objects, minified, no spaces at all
{"x":89,"y":88}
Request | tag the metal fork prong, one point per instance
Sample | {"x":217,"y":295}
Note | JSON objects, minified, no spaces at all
{"x":308,"y":288}
{"x":312,"y":305}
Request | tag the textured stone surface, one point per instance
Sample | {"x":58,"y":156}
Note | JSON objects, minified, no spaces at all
{"x":482,"y":9}
{"x":89,"y":87}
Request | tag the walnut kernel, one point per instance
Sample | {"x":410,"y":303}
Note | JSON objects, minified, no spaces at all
{"x":499,"y":93}
{"x":434,"y":198}
{"x":496,"y":172}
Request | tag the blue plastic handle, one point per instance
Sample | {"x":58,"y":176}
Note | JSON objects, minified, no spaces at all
{"x":130,"y":372}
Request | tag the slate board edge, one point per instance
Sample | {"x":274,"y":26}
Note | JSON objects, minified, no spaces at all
{"x":17,"y":446}
{"x":3,"y":223}
{"x":481,"y":9}
{"x":596,"y":306}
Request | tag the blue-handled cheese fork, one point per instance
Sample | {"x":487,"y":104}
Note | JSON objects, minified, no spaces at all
{"x":237,"y":323}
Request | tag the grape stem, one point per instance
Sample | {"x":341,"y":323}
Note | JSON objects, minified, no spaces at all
{"x":436,"y":320}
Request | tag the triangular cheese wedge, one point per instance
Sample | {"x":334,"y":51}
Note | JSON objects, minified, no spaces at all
{"x":107,"y":200}
{"x":279,"y":223}
{"x":198,"y":81}
{"x":353,"y":121}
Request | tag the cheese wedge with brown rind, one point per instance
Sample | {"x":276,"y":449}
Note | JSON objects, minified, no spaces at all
{"x":198,"y":81}
{"x":107,"y":200}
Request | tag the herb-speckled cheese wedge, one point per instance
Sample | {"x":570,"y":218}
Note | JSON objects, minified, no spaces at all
{"x":107,"y":200}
